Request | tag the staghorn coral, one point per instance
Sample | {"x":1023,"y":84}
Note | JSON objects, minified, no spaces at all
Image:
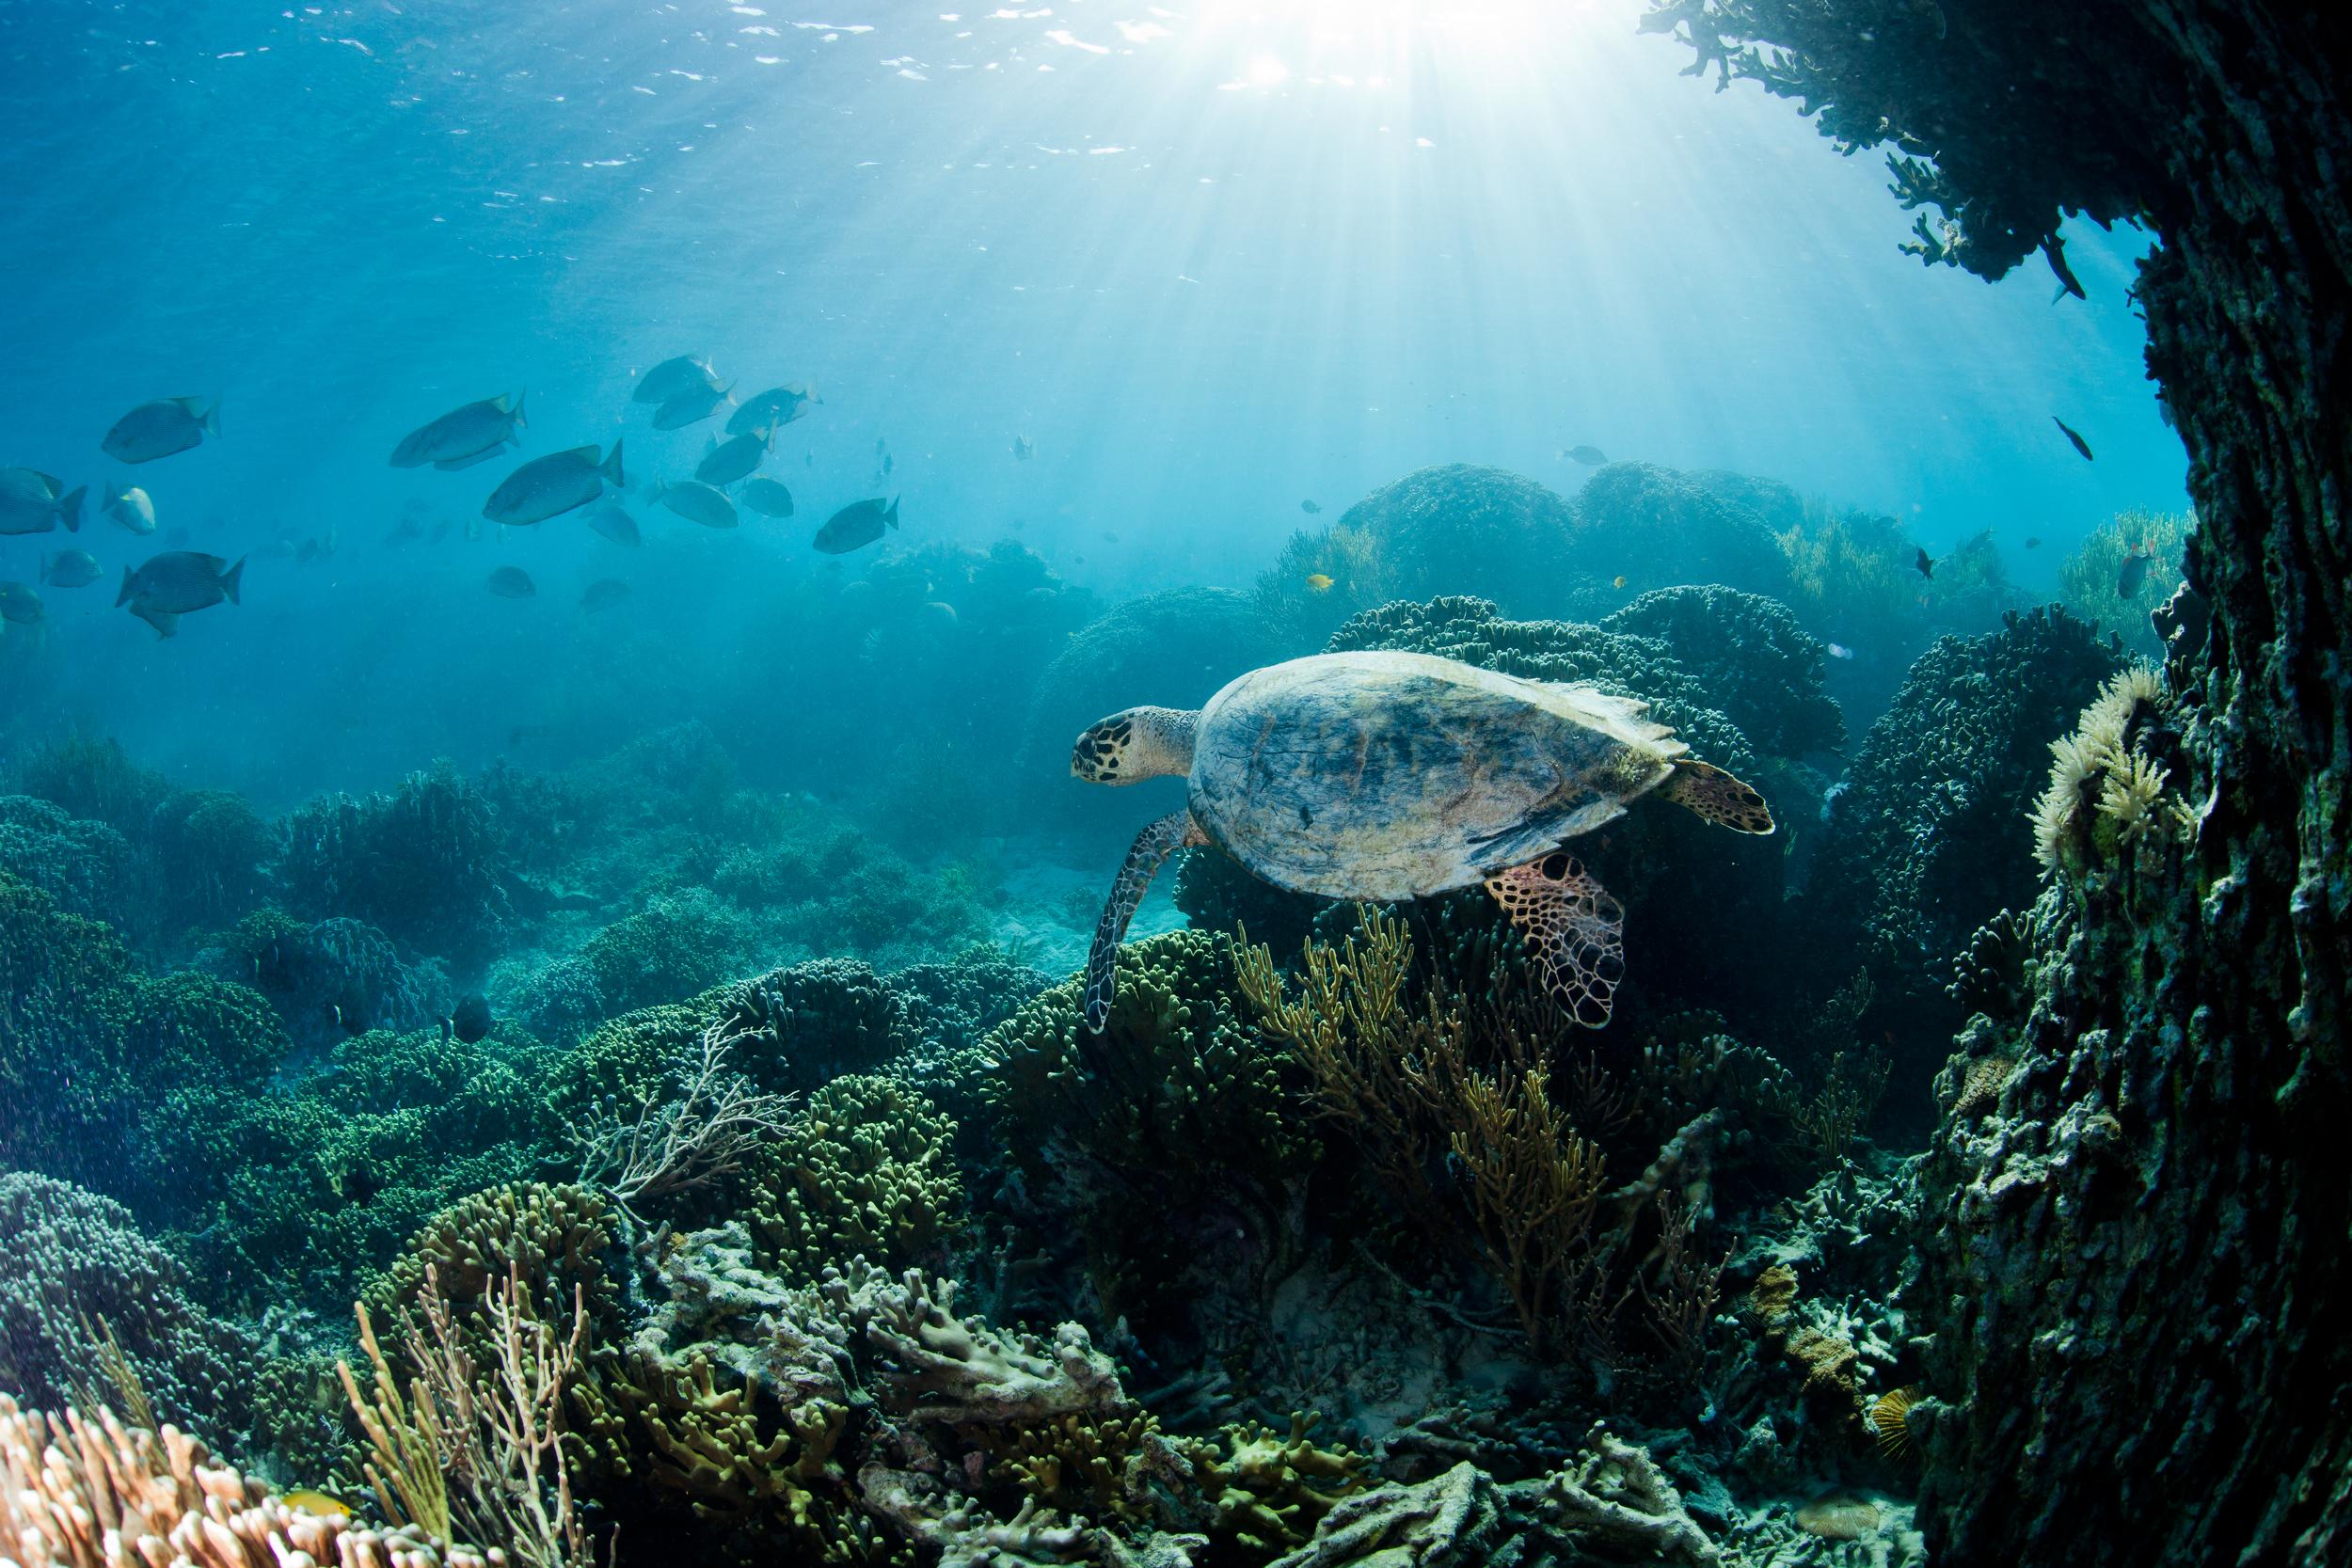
{"x":81,"y":1489}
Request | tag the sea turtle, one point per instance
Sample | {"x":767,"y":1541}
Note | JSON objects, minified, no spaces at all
{"x":1396,"y":775}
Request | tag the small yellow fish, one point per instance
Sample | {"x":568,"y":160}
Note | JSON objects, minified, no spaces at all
{"x":1319,"y":581}
{"x":1619,"y":581}
{"x":316,"y":1502}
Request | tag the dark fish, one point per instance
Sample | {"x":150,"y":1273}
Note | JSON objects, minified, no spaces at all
{"x":604,"y":593}
{"x":463,"y":436}
{"x":2080,"y":445}
{"x":856,"y":526}
{"x":549,"y":486}
{"x":160,"y":428}
{"x":674,"y":378}
{"x":70,"y":569}
{"x":1023,"y":449}
{"x":180,"y":581}
{"x":1926,"y":567}
{"x":1592,"y":457}
{"x":20,"y":604}
{"x":2134,"y":576}
{"x":736,"y":457}
{"x":1309,"y":508}
{"x":773,"y":409}
{"x":34,"y":503}
{"x":767,"y":497}
{"x":611,"y":521}
{"x":471,"y":1021}
{"x":697,"y":502}
{"x":690,"y":407}
{"x":512,"y":582}
{"x":2033,"y":540}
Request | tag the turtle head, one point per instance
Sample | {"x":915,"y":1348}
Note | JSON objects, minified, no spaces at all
{"x":1138,"y":743}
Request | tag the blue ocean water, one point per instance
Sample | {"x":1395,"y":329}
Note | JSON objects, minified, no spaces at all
{"x":1212,"y":261}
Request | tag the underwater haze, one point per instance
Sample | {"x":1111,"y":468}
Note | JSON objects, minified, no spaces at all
{"x":1212,"y":264}
{"x":576,"y":580}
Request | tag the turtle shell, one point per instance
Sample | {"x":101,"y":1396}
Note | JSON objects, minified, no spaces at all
{"x":1395,"y":775}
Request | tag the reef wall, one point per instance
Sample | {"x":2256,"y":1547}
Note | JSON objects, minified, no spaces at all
{"x":2141,"y":1181}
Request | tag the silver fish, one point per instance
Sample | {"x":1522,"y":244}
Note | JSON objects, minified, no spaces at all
{"x":19,"y":602}
{"x":549,"y":486}
{"x":773,"y":409}
{"x":160,"y":428}
{"x":71,"y":569}
{"x":133,"y":508}
{"x":691,"y":407}
{"x":603,"y":594}
{"x":35,"y":503}
{"x":180,"y":581}
{"x":674,"y":377}
{"x":767,"y":497}
{"x":512,"y":582}
{"x":698,"y":503}
{"x":464,"y":437}
{"x":613,"y":522}
{"x":736,"y":457}
{"x":856,"y":526}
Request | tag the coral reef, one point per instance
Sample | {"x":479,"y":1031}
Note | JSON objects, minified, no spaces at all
{"x":422,"y":864}
{"x":329,"y":979}
{"x":1659,"y":528}
{"x":1456,"y":529}
{"x":1923,"y":844}
{"x":2140,"y":550}
{"x":2162,"y":1164}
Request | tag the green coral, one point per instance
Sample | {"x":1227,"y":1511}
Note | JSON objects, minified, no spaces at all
{"x":2092,"y":578}
{"x":88,"y":867}
{"x":423,"y":863}
{"x":867,"y":1172}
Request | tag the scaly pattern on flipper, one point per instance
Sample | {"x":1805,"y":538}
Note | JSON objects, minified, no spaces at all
{"x":1574,"y":930}
{"x":1152,"y":847}
{"x":1706,"y":789}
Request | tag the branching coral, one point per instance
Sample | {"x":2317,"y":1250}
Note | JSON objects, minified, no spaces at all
{"x":475,"y":1448}
{"x":423,"y":863}
{"x":2137,"y":550}
{"x":685,"y":1142}
{"x":83,"y":1489}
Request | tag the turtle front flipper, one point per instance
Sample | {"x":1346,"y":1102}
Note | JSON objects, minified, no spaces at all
{"x":1152,"y":847}
{"x":1706,"y":789}
{"x":1573,"y":927}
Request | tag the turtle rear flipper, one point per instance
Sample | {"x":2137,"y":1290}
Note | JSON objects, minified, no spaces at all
{"x":1152,"y":847}
{"x":1706,"y":789}
{"x":1573,"y":928}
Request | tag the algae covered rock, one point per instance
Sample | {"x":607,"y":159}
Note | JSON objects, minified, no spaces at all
{"x":1929,"y":834}
{"x":1458,"y":529}
{"x":1657,"y":528}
